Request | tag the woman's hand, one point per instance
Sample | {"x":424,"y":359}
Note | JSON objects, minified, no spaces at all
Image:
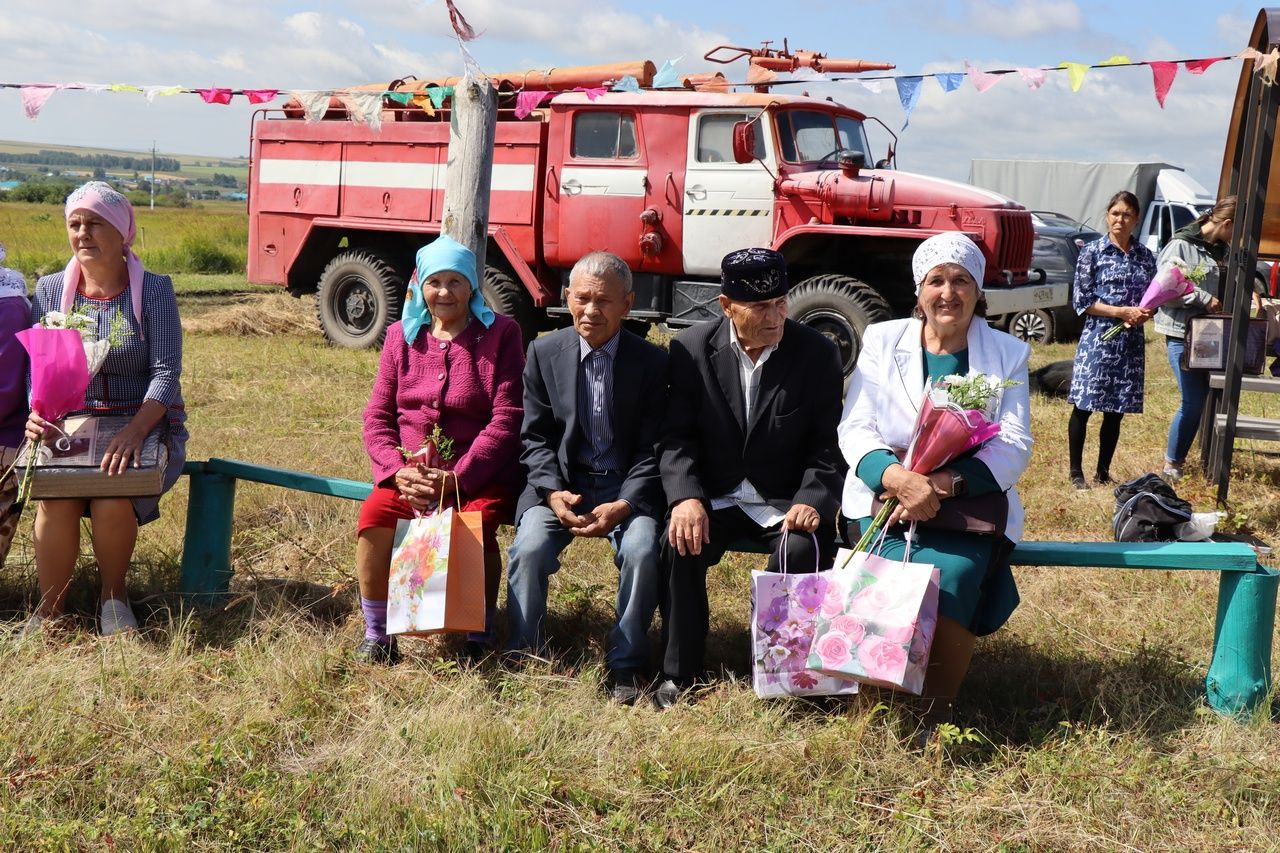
{"x":38,"y":427}
{"x":124,"y":450}
{"x":415,"y":487}
{"x":918,"y":497}
{"x":1135,"y":316}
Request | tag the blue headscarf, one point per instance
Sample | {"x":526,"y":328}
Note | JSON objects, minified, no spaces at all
{"x":444,"y":254}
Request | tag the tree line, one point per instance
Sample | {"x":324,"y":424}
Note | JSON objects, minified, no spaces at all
{"x":93,"y":161}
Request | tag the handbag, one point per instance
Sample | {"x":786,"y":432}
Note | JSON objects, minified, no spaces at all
{"x":877,"y":620}
{"x":984,"y":515}
{"x":436,"y":582}
{"x":784,"y":610}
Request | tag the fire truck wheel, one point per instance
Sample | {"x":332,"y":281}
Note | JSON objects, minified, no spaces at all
{"x":507,"y":296}
{"x":840,"y":307}
{"x":1034,"y":326}
{"x":360,"y":294}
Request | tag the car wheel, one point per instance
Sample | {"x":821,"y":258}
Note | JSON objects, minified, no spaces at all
{"x":1035,"y":326}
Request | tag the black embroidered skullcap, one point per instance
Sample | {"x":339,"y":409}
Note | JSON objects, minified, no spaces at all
{"x":753,"y":275}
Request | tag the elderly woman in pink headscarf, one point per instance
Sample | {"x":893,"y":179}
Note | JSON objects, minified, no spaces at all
{"x":138,"y":379}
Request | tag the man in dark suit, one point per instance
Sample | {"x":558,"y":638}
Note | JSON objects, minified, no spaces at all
{"x":594,"y":396}
{"x":749,"y":449}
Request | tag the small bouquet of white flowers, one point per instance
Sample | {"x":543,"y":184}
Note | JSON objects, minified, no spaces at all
{"x":85,"y":321}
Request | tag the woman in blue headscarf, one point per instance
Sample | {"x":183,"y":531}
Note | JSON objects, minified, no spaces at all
{"x":449,"y":362}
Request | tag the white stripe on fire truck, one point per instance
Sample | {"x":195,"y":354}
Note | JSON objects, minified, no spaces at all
{"x":511,"y":177}
{"x":321,"y":172}
{"x":732,"y":211}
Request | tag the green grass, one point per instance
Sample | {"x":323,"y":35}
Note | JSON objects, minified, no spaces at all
{"x":249,"y":729}
{"x":208,"y":237}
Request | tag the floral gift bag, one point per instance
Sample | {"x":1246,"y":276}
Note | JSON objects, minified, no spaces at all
{"x":437,"y":575}
{"x":784,"y":610}
{"x":876,"y":621}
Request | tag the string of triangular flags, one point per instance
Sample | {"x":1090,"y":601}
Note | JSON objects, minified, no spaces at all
{"x":1163,"y":73}
{"x":365,"y":105}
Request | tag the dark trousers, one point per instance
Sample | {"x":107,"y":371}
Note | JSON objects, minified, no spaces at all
{"x":685,"y":611}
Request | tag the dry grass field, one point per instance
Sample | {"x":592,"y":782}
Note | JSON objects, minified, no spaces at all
{"x":248,"y":728}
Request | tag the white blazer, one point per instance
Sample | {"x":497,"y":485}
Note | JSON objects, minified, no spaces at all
{"x":884,"y":397}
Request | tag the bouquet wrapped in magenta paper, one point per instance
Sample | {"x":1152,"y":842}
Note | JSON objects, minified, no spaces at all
{"x":59,"y":379}
{"x":957,"y":414}
{"x":1174,"y":283}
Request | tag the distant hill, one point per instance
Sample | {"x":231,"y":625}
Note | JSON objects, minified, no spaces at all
{"x":199,"y":175}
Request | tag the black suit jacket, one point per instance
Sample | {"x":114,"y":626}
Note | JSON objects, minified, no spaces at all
{"x":789,"y":451}
{"x":549,"y":436}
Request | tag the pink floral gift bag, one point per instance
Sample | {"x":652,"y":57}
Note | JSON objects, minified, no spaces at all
{"x":784,"y":612}
{"x":876,"y":621}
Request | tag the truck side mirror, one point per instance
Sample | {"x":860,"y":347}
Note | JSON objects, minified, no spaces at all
{"x":744,"y":141}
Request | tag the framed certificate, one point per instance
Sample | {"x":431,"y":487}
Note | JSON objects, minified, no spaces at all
{"x":1209,"y":336}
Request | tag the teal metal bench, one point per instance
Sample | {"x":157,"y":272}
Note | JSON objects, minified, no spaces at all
{"x":1239,"y":677}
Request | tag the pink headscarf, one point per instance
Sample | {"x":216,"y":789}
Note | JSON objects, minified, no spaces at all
{"x":101,"y":199}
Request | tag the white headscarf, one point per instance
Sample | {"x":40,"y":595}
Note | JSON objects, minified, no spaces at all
{"x":12,"y":282}
{"x":949,"y":247}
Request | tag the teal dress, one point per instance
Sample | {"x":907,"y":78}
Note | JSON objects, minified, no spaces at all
{"x":976,"y":584}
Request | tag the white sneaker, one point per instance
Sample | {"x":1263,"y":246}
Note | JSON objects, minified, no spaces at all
{"x":116,"y":617}
{"x":1172,"y":473}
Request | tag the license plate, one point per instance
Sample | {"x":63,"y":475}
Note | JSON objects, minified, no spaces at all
{"x":1042,"y":295}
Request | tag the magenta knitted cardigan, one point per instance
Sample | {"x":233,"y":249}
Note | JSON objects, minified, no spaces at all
{"x":471,"y":385}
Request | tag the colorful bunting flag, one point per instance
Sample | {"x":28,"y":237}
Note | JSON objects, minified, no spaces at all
{"x":261,"y":96}
{"x":1075,"y":73}
{"x":1118,"y":59}
{"x":403,"y":98}
{"x":981,"y":80}
{"x":422,"y":101}
{"x":460,"y":25}
{"x":627,"y":84}
{"x":150,"y":92}
{"x":527,"y":102}
{"x":89,"y":87}
{"x":1033,"y":77}
{"x":872,"y":86}
{"x":124,"y":87}
{"x":1162,"y":74}
{"x":215,"y":96}
{"x":314,"y":104}
{"x":666,"y":78}
{"x":1198,"y":66}
{"x":437,"y":94}
{"x":908,"y":93}
{"x":364,"y":108}
{"x":34,"y":98}
{"x":591,"y":92}
{"x":950,"y":81}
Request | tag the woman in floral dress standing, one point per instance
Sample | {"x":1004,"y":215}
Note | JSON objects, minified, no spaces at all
{"x":1108,"y":376}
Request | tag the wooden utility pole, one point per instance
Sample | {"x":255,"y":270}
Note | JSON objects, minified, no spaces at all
{"x":473,"y":118}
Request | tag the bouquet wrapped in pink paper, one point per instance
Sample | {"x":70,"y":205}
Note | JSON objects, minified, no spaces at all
{"x":59,"y":379}
{"x":957,"y":414}
{"x":1170,"y":284}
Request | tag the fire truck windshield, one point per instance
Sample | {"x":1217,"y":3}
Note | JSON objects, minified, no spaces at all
{"x":811,"y":136}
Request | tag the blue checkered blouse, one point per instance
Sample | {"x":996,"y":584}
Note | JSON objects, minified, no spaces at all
{"x":140,"y":368}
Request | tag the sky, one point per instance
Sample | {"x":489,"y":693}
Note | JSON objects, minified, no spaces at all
{"x":310,"y":44}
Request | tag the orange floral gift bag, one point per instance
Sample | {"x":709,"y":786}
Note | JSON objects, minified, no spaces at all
{"x":437,"y":574}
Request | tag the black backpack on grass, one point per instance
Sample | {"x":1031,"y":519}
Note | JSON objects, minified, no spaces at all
{"x":1148,"y":510}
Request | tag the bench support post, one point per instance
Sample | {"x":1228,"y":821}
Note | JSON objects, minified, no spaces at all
{"x":206,"y":554}
{"x":1239,"y":678}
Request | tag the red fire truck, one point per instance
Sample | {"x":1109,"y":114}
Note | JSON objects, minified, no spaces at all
{"x":670,"y":180}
